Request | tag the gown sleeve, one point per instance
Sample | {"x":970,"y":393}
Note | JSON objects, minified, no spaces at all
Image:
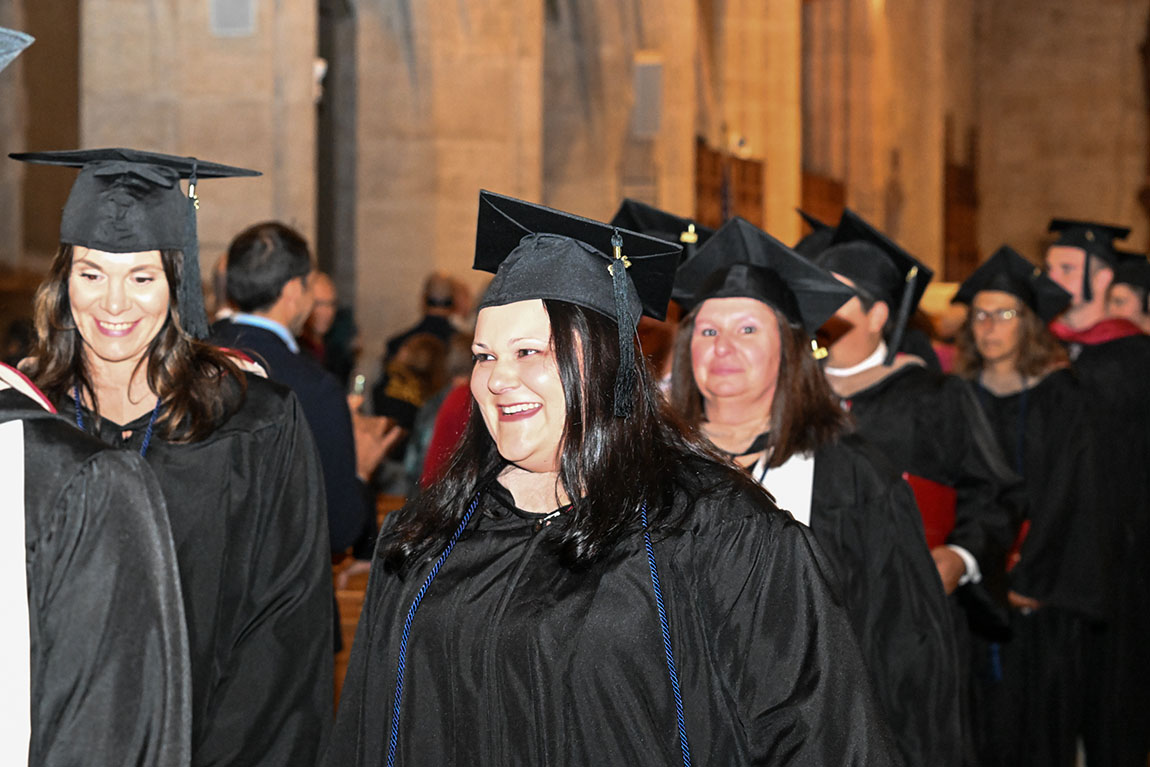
{"x":111,"y":683}
{"x":989,"y":503}
{"x":792,"y":664}
{"x":272,"y":706}
{"x":902,"y":619}
{"x":1062,"y":561}
{"x":358,"y":720}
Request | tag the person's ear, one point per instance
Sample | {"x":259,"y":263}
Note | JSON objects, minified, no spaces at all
{"x":292,"y":289}
{"x":877,"y":316}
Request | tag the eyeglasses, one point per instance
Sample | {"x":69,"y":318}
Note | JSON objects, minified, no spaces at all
{"x":981,"y":316}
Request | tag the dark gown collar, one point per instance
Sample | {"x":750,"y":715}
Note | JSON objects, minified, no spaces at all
{"x":503,"y":504}
{"x":758,"y":445}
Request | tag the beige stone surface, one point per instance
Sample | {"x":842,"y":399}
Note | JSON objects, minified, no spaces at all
{"x":12,"y":117}
{"x":450,"y":102}
{"x":1064,"y":126}
{"x":154,"y":77}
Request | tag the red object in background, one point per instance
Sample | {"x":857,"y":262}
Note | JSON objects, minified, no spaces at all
{"x":449,"y":425}
{"x":946,"y":354}
{"x":936,"y":503}
{"x":1016,"y":552}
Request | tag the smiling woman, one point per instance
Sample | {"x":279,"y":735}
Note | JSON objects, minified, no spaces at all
{"x":517,"y":387}
{"x":120,"y":322}
{"x":573,"y":591}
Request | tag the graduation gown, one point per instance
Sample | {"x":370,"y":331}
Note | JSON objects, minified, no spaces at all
{"x":864,"y":518}
{"x":1028,"y":695}
{"x":514,"y":659}
{"x":1114,"y":375}
{"x":247,"y":515}
{"x":108,"y":647}
{"x":350,"y":504}
{"x":929,"y":425}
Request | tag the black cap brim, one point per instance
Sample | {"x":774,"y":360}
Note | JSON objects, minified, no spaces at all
{"x":184,"y":166}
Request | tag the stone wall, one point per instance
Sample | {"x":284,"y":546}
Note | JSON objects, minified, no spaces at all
{"x":12,"y":119}
{"x":1062,"y":117}
{"x":450,"y":102}
{"x":153,"y":75}
{"x":874,"y":105}
{"x":751,"y":93}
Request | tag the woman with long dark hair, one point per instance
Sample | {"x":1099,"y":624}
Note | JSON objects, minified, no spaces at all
{"x":119,"y":321}
{"x":1028,"y":689}
{"x":588,"y":584}
{"x":747,"y":377}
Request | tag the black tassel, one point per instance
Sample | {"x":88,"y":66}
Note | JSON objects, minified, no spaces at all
{"x":1087,"y":293}
{"x":903,"y":315}
{"x":625,"y":376}
{"x":190,"y":295}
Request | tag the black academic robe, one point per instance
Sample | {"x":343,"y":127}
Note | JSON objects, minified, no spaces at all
{"x":247,"y":514}
{"x":109,"y":651}
{"x":515,"y":660}
{"x":1114,"y":375}
{"x":350,"y":505}
{"x":1028,"y":690}
{"x":929,"y":425}
{"x":864,"y":517}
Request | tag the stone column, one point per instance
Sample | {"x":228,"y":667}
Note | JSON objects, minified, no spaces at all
{"x":758,"y":55}
{"x":911,"y":156}
{"x":12,"y":118}
{"x":450,"y":101}
{"x":154,"y":75}
{"x":781,"y":117}
{"x":1063,"y":118}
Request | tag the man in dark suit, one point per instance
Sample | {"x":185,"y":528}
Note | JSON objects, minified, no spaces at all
{"x":268,"y":268}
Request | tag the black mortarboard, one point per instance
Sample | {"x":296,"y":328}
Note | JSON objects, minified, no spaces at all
{"x":542,"y":253}
{"x":742,"y":260}
{"x":1134,"y":270}
{"x":879,"y":268}
{"x":1096,"y":240}
{"x":646,"y":219}
{"x":129,"y":201}
{"x":11,"y":43}
{"x":1011,"y":273}
{"x":819,"y":238}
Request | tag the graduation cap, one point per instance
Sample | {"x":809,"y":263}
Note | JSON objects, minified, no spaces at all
{"x":1134,"y":270}
{"x":819,"y":238}
{"x":1094,"y":239}
{"x":11,"y":43}
{"x":542,"y":253}
{"x":743,"y":261}
{"x":646,"y":219}
{"x":1010,"y":272}
{"x":879,"y":268}
{"x":129,"y":201}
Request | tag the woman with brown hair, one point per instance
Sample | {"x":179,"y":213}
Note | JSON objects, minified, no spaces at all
{"x":1027,"y":690}
{"x":120,"y":320}
{"x":746,"y":376}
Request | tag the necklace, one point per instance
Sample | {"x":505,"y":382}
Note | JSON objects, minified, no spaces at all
{"x":147,"y":432}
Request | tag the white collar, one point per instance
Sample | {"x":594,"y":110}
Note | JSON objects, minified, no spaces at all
{"x":873,"y":361}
